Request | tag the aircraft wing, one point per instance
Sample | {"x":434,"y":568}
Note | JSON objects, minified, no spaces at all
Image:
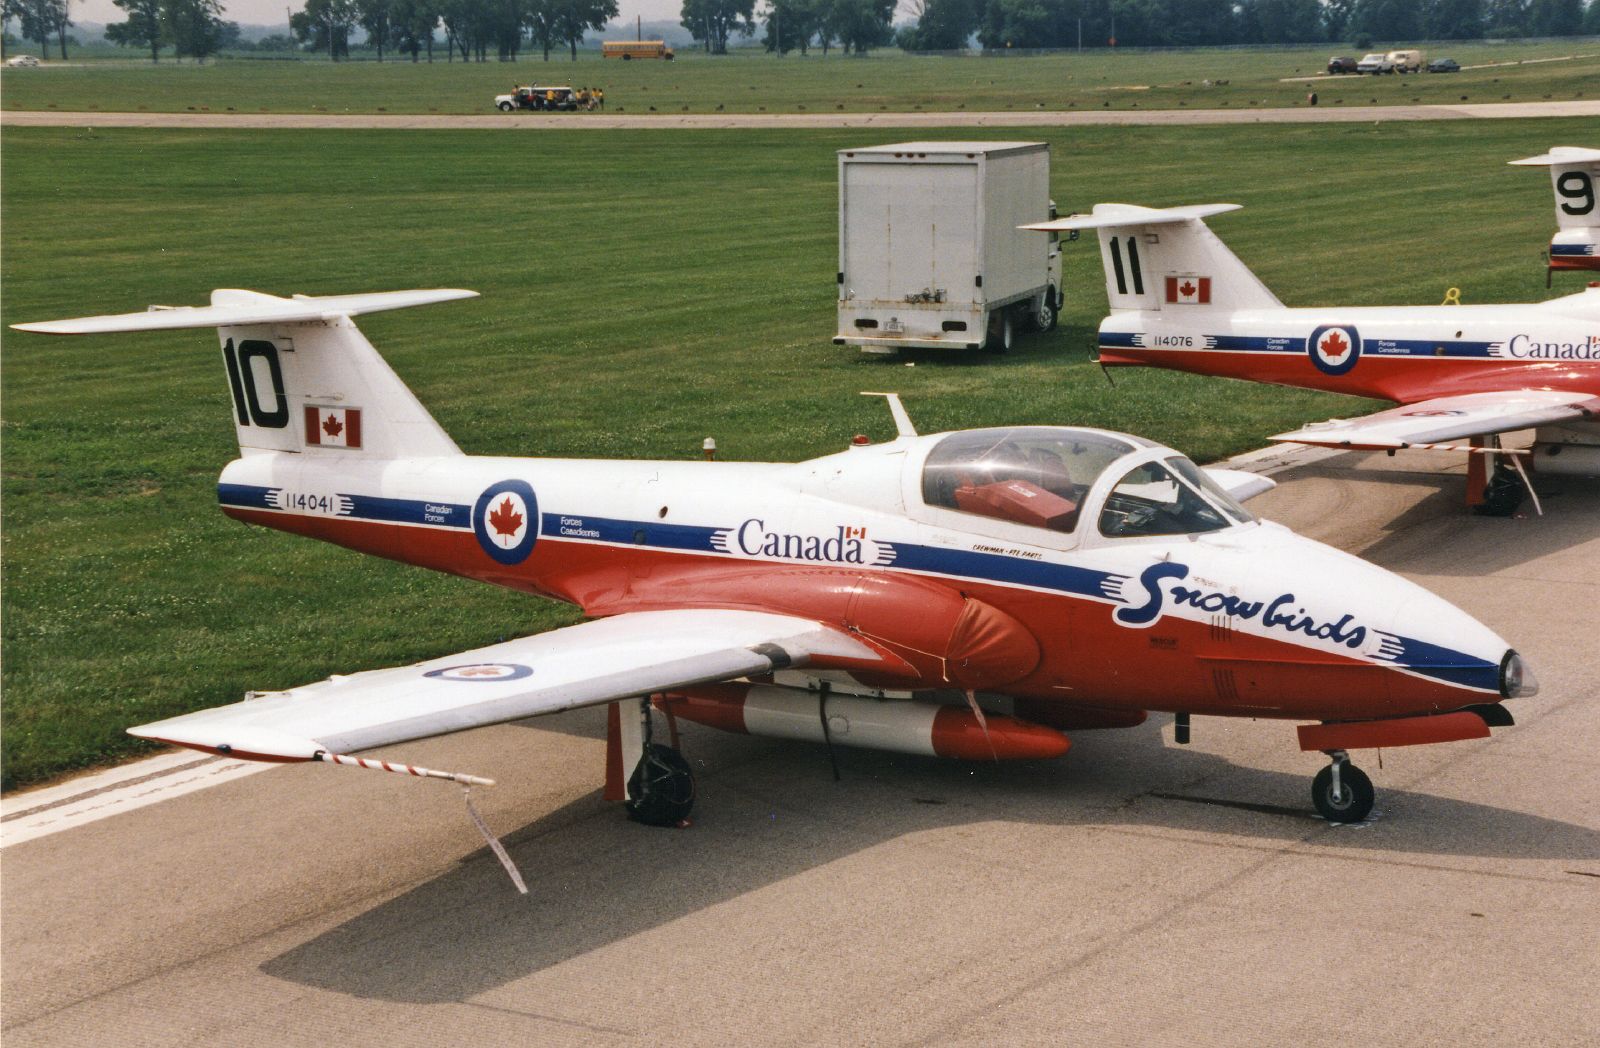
{"x":1450,"y":418}
{"x":594,"y":662}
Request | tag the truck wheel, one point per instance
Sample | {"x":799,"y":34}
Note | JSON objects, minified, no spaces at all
{"x":999,"y":332}
{"x":506,"y":107}
{"x":1044,"y":318}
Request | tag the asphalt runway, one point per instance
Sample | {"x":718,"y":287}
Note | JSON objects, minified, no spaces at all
{"x":615,"y":121}
{"x":1132,"y":893}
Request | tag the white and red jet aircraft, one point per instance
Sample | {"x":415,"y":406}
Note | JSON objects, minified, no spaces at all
{"x":1573,"y":174}
{"x":1067,"y":578}
{"x":1181,"y":299}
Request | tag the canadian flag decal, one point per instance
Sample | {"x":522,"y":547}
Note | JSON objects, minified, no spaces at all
{"x":333,"y":427}
{"x":1189,"y":290}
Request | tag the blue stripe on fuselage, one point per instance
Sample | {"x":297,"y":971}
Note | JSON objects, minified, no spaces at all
{"x":1382,"y":347}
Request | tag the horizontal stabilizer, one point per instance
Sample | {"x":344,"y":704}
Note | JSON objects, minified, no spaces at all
{"x":232,"y":307}
{"x":1112,"y":216}
{"x":1559,"y":155}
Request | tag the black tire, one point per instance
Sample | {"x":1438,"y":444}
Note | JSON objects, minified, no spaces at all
{"x":1354,"y":799}
{"x":1044,"y":318}
{"x":661,"y":788}
{"x":627,"y":58}
{"x":506,"y":107}
{"x":1502,"y":495}
{"x":1000,"y":331}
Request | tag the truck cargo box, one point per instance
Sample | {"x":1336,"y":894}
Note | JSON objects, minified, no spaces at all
{"x":929,"y":250}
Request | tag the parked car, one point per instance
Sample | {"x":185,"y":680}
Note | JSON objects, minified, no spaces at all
{"x":22,"y":61}
{"x":1342,"y":64}
{"x":1444,"y":65}
{"x":539,"y":96}
{"x":1375,"y":63}
{"x":1406,"y":61}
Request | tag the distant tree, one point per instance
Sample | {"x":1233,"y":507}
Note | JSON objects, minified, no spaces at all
{"x":42,"y":19}
{"x":1452,"y":19}
{"x":1555,"y":17}
{"x":1387,"y":19}
{"x":945,"y":25}
{"x":193,"y":26}
{"x":9,"y":9}
{"x":791,"y":24}
{"x":230,"y":37}
{"x":325,"y":25}
{"x":1279,"y":22}
{"x":275,"y":42}
{"x":1505,"y":18}
{"x":574,"y":18}
{"x":543,"y":23}
{"x":863,"y":24}
{"x":1591,"y":19}
{"x":377,"y":18}
{"x":713,"y":21}
{"x":413,"y":23}
{"x":1336,"y":18}
{"x":142,"y":29}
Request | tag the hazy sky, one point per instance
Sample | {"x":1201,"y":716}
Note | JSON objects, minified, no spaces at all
{"x":271,"y":12}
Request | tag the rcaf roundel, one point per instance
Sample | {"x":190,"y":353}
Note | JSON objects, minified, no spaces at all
{"x":506,"y":521}
{"x":1334,"y":348}
{"x":482,"y":672}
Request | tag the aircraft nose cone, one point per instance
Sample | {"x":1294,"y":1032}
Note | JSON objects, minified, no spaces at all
{"x":1516,"y":678}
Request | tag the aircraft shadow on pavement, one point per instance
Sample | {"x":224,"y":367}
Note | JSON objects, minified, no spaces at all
{"x":770,"y":811}
{"x":1437,"y":535}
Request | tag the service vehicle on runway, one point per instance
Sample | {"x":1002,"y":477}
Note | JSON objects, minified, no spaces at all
{"x":973,"y":594}
{"x":541,"y":97}
{"x":1180,"y":299}
{"x":1574,"y":173}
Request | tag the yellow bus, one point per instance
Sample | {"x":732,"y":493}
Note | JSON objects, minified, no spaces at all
{"x":627,"y":50}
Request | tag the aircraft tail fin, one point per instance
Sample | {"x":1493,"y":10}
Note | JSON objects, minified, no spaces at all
{"x":302,"y":377}
{"x":1159,"y":258}
{"x":1575,"y":178}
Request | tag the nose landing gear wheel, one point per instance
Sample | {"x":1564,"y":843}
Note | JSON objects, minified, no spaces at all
{"x":1348,"y":801}
{"x":661,"y":791}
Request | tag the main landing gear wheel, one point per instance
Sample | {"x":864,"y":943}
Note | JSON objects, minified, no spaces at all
{"x":1348,"y":801}
{"x":1503,"y":494}
{"x":1044,"y":318}
{"x":661,"y":791}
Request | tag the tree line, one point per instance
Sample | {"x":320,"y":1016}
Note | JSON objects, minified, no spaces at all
{"x":946,"y":25}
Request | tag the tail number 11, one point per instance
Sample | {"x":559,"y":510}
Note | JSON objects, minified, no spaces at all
{"x":244,"y":378}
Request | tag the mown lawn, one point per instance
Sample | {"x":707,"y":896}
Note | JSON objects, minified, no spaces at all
{"x":756,"y":82}
{"x":642,"y":290}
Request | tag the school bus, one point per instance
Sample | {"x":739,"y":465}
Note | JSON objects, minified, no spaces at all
{"x":627,"y":50}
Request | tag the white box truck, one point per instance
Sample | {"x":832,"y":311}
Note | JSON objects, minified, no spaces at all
{"x":930,"y":255}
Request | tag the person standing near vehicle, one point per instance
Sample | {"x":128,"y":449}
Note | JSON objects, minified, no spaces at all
{"x":600,"y":96}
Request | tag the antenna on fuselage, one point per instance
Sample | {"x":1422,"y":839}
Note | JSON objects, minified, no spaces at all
{"x":902,"y":421}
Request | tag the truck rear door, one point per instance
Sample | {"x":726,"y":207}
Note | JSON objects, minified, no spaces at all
{"x":909,"y":229}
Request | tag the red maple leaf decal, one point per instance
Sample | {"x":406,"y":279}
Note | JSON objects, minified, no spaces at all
{"x":332,"y":426}
{"x":1333,"y":345}
{"x":1187,"y":289}
{"x":505,"y":520}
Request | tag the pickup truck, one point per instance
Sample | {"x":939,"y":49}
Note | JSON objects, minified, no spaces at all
{"x":1375,"y":63}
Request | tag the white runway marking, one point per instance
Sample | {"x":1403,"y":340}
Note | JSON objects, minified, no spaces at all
{"x":39,"y":813}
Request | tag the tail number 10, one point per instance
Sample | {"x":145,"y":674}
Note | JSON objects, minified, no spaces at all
{"x":245,"y":378}
{"x":1578,"y":188}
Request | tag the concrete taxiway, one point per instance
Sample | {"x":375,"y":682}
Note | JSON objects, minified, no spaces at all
{"x":1325,"y":114}
{"x":1132,"y":893}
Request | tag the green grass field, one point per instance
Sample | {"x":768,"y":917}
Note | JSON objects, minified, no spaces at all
{"x":756,"y":82}
{"x":642,"y":290}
